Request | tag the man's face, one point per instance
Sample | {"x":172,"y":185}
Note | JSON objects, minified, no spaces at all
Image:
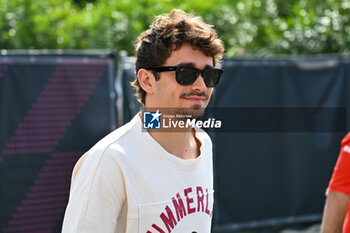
{"x":190,"y":99}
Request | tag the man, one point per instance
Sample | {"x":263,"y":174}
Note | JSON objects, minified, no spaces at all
{"x":136,"y":180}
{"x":336,"y":216}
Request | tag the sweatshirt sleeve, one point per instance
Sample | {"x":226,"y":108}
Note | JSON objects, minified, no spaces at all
{"x":97,"y":194}
{"x":340,"y":180}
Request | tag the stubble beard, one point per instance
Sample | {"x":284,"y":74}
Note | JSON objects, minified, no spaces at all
{"x":195,"y":112}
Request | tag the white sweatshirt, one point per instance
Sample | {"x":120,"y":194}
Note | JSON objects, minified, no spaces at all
{"x":128,"y":183}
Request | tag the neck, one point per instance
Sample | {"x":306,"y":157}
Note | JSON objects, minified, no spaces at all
{"x":181,"y":143}
{"x":184,"y":145}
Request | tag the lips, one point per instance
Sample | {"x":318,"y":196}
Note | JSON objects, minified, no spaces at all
{"x":195,"y":99}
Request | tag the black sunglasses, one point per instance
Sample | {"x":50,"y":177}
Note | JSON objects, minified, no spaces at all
{"x":188,"y":75}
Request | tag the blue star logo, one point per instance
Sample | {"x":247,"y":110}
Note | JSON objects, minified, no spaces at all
{"x":151,"y":120}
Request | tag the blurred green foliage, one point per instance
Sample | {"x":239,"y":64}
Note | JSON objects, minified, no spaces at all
{"x":246,"y":26}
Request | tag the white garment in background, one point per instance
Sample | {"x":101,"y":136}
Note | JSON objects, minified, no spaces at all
{"x":128,"y":183}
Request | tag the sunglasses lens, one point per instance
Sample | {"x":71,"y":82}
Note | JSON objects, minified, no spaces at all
{"x":211,"y":77}
{"x":186,"y":76}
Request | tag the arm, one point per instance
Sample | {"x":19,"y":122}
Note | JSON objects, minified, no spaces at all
{"x":77,"y":167}
{"x":334,"y":212}
{"x":97,"y":195}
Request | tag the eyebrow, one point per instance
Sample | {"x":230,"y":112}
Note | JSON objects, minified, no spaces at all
{"x":190,"y":64}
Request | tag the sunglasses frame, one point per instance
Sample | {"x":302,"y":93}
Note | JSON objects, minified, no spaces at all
{"x":198,"y":72}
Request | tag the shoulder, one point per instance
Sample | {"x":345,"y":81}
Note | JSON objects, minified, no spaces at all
{"x":105,"y":152}
{"x":345,"y":150}
{"x":119,"y":136}
{"x":346,"y":140}
{"x":203,"y":137}
{"x":340,"y":180}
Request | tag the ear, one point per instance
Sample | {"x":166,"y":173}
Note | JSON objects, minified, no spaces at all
{"x":146,"y":80}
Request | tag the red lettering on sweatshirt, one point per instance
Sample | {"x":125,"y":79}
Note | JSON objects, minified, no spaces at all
{"x":200,"y":198}
{"x":157,"y":228}
{"x":169,"y":219}
{"x":207,"y":211}
{"x":179,"y":207}
{"x":189,"y":201}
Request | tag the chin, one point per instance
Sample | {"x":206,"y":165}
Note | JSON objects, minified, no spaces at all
{"x":196,"y":111}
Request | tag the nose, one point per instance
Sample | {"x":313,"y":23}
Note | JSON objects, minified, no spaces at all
{"x":199,"y":84}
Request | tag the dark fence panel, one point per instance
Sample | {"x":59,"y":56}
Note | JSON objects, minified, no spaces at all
{"x":54,"y":107}
{"x":275,"y":178}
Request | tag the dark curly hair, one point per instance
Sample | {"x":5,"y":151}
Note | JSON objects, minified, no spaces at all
{"x":155,"y":45}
